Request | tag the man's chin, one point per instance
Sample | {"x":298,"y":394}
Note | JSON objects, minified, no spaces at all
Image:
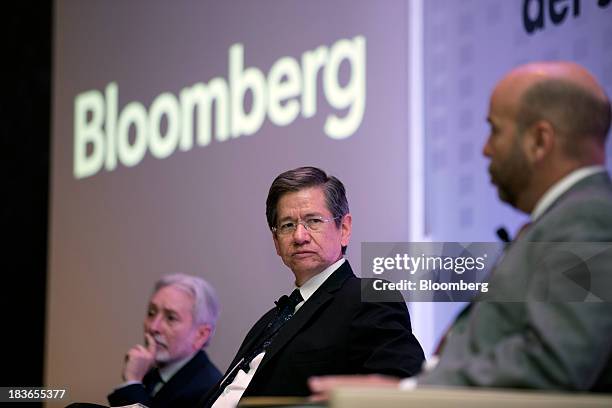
{"x":304,"y":256}
{"x":307,"y":268}
{"x":502,"y":194}
{"x":162,"y":357}
{"x":505,"y":197}
{"x":305,"y":262}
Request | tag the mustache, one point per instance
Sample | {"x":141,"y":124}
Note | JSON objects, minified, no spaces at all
{"x":160,"y":340}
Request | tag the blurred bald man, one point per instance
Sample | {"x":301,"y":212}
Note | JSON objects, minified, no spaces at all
{"x":549,"y":123}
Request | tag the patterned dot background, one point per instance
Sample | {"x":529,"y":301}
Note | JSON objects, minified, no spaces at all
{"x":468,"y":46}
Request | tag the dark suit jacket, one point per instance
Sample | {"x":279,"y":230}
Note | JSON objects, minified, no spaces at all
{"x":184,"y":389}
{"x":333,"y":332}
{"x":535,"y":330}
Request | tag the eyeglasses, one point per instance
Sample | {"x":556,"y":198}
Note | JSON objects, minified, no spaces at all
{"x":312,"y":224}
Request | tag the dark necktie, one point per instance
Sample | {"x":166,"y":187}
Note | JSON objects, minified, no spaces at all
{"x":285,"y":307}
{"x":153,"y":378}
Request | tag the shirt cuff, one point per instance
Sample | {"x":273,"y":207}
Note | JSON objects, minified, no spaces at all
{"x":125,"y":384}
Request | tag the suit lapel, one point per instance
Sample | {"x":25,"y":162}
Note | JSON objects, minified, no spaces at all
{"x":252,"y":338}
{"x":172,"y":388}
{"x":322,"y":295}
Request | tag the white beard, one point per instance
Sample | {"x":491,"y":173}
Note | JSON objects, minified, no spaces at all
{"x":162,"y":355}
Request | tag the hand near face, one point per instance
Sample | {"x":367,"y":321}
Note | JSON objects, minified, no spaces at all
{"x":321,"y":387}
{"x":139,"y":359}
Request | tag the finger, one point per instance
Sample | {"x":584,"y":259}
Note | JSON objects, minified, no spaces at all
{"x":150,"y":342}
{"x":135,"y":351}
{"x":130,"y":353}
{"x":319,"y":384}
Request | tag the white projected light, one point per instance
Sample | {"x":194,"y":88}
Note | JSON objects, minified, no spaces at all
{"x":102,"y":131}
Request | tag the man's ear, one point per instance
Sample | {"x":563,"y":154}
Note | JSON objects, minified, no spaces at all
{"x":345,"y":229}
{"x":539,"y":141}
{"x":203,"y":333}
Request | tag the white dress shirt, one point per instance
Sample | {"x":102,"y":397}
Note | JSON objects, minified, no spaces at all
{"x":560,"y":187}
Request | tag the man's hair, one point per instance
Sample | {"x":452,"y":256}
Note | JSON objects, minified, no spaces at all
{"x":305,"y":177}
{"x":572,"y":110}
{"x":205,"y":302}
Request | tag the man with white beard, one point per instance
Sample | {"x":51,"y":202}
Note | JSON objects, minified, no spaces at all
{"x":171,"y":368}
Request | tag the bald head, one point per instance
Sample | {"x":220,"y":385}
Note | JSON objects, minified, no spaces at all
{"x":567,"y":96}
{"x":547,"y":119}
{"x":532,"y":73}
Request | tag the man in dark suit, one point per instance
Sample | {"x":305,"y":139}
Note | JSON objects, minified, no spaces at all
{"x":547,"y":320}
{"x":171,"y":369}
{"x":323,"y":327}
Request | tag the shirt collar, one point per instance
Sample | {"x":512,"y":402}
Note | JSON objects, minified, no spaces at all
{"x":560,"y":187}
{"x":312,"y":284}
{"x":169,"y":370}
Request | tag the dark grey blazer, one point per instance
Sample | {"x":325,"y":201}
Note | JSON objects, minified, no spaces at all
{"x":534,"y":329}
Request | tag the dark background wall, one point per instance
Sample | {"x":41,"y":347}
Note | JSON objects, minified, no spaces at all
{"x":25,"y":113}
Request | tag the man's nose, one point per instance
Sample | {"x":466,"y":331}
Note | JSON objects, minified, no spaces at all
{"x":153,"y":323}
{"x":486,"y":149}
{"x":301,"y":234}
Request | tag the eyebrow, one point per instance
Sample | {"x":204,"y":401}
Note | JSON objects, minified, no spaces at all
{"x":163,"y":309}
{"x":310,"y":214}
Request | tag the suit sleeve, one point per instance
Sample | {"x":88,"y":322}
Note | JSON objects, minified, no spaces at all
{"x":130,"y":394}
{"x":564,"y":341}
{"x":561,"y":347}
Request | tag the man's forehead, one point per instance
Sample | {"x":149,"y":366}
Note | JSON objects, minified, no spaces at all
{"x":157,"y":304}
{"x":181,"y":310}
{"x":310,"y":199}
{"x":172,"y":297}
{"x":314,"y":194}
{"x":504,"y":101}
{"x":510,"y":89}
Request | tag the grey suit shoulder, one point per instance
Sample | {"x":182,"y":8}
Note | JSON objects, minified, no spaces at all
{"x":538,"y":338}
